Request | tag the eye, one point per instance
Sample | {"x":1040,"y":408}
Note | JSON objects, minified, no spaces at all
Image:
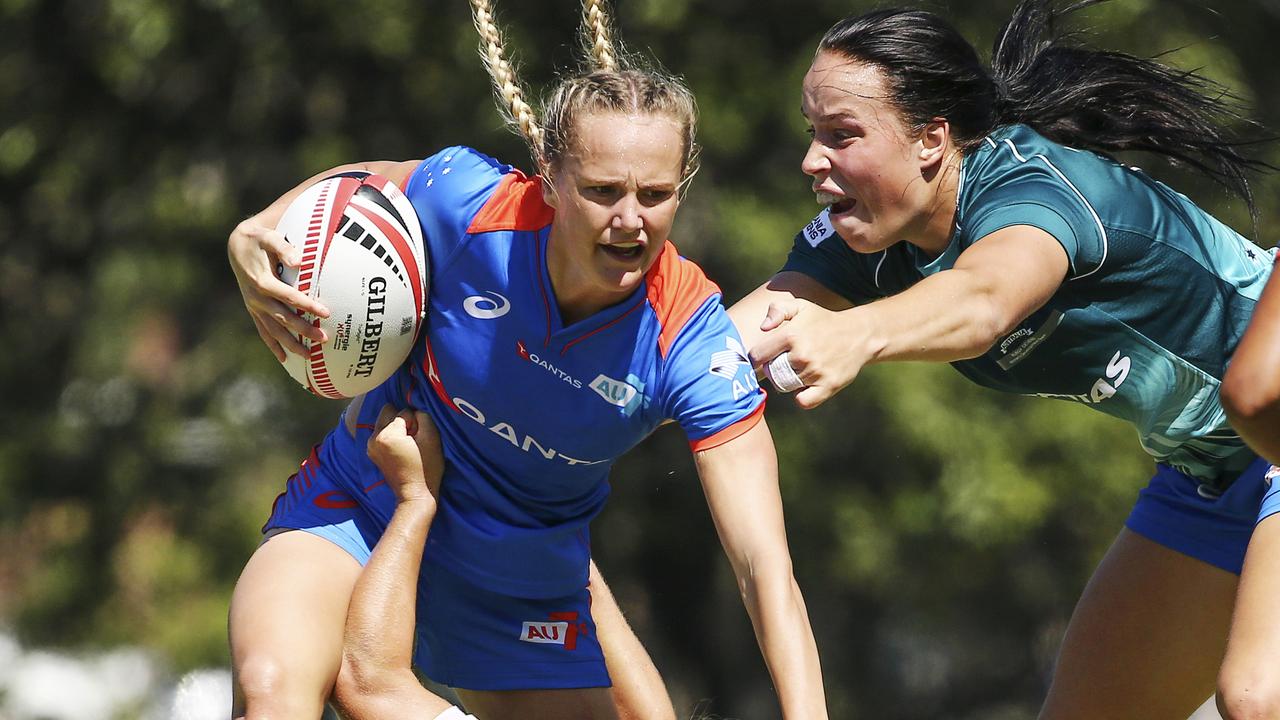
{"x":600,"y":192}
{"x":809,"y":131}
{"x":655,"y":196}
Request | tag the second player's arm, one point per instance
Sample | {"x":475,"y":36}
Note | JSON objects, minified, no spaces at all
{"x":376,"y":681}
{"x":740,"y":479}
{"x":1251,"y":388}
{"x":955,"y":314}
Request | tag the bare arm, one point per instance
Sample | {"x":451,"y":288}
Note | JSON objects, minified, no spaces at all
{"x":638,"y":691}
{"x":1251,"y":388}
{"x":749,"y":312}
{"x":740,"y":479}
{"x":376,"y":679}
{"x":953,"y":315}
{"x":255,"y":247}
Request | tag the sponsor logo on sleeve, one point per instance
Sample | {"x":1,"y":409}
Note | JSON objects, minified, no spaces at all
{"x":729,"y":364}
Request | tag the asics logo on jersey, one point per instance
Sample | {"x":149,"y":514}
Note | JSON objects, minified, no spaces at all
{"x":1117,"y":371}
{"x":487,"y":308}
{"x":518,"y":440}
{"x":1272,"y":473}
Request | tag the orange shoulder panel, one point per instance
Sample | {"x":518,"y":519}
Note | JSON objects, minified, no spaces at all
{"x":729,"y":433}
{"x":516,"y":204}
{"x":676,"y":289}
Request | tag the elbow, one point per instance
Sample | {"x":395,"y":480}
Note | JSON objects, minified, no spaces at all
{"x":989,"y":323}
{"x":363,"y":686}
{"x":1250,"y":399}
{"x":757,"y":579}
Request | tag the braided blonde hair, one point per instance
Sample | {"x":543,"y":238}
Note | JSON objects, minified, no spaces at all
{"x":607,"y":88}
{"x":515,"y":111}
{"x":597,"y":38}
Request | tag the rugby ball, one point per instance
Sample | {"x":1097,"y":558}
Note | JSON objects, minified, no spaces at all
{"x":364,"y":258}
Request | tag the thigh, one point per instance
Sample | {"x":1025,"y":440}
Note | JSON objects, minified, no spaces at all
{"x":1145,"y":639}
{"x":286,"y":621}
{"x":583,"y":704}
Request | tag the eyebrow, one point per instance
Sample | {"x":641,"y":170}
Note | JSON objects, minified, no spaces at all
{"x":831,"y":116}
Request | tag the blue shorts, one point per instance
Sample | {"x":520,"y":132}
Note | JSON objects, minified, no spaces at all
{"x":1189,"y":516}
{"x":1270,"y":502}
{"x":467,"y":636}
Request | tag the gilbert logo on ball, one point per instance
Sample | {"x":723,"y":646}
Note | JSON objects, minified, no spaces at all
{"x":363,"y":257}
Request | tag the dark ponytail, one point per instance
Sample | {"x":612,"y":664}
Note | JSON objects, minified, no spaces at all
{"x":1076,"y":96}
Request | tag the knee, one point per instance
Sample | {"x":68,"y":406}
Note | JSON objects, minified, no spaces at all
{"x":270,"y":693}
{"x":1254,"y":695}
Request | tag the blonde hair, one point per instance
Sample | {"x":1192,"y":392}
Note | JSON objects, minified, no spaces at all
{"x":597,"y":37}
{"x":612,"y":85}
{"x":515,"y":111}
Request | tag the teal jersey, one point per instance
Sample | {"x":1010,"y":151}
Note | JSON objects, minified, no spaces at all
{"x":1156,"y":298}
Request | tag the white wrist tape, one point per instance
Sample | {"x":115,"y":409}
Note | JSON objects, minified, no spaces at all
{"x":784,"y":376}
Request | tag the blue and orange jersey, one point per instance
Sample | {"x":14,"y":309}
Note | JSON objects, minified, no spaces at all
{"x":532,"y":412}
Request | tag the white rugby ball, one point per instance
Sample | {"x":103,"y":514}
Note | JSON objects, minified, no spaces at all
{"x":362,"y":257}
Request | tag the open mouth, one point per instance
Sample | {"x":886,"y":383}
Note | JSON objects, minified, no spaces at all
{"x":624,"y":251}
{"x":837,"y":204}
{"x":843,"y":206}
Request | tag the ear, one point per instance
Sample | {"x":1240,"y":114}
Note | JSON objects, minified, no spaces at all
{"x":549,"y":193}
{"x":934,"y":141}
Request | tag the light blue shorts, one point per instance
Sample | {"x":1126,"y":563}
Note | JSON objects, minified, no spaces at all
{"x":1189,"y":516}
{"x":467,"y":636}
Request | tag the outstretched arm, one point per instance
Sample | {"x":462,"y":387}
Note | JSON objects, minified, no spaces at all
{"x":952,"y":315}
{"x":376,"y":680}
{"x":740,"y":479}
{"x":254,"y":248}
{"x":1251,"y":388}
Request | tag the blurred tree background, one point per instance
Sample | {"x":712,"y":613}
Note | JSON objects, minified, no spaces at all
{"x":941,"y":532}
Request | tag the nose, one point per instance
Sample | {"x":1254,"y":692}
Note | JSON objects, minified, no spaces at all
{"x":815,"y":162}
{"x":627,"y":214}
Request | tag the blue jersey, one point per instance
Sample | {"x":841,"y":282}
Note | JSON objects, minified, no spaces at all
{"x":1156,"y":299}
{"x":532,"y":412}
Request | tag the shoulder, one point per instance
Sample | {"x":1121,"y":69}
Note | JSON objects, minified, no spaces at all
{"x":501,"y":196}
{"x":460,"y":191}
{"x":1018,"y":177}
{"x":676,"y":289}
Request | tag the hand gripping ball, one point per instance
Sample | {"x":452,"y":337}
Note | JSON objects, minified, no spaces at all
{"x":363,"y":257}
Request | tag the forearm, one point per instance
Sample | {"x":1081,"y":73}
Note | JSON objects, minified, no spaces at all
{"x":378,"y":645}
{"x":952,"y":315}
{"x":781,"y":622}
{"x":270,"y":215}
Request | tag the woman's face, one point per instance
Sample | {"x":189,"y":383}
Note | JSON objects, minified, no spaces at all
{"x":865,"y":164}
{"x":615,"y":196}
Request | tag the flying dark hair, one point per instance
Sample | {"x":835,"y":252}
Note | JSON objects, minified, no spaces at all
{"x":1105,"y":101}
